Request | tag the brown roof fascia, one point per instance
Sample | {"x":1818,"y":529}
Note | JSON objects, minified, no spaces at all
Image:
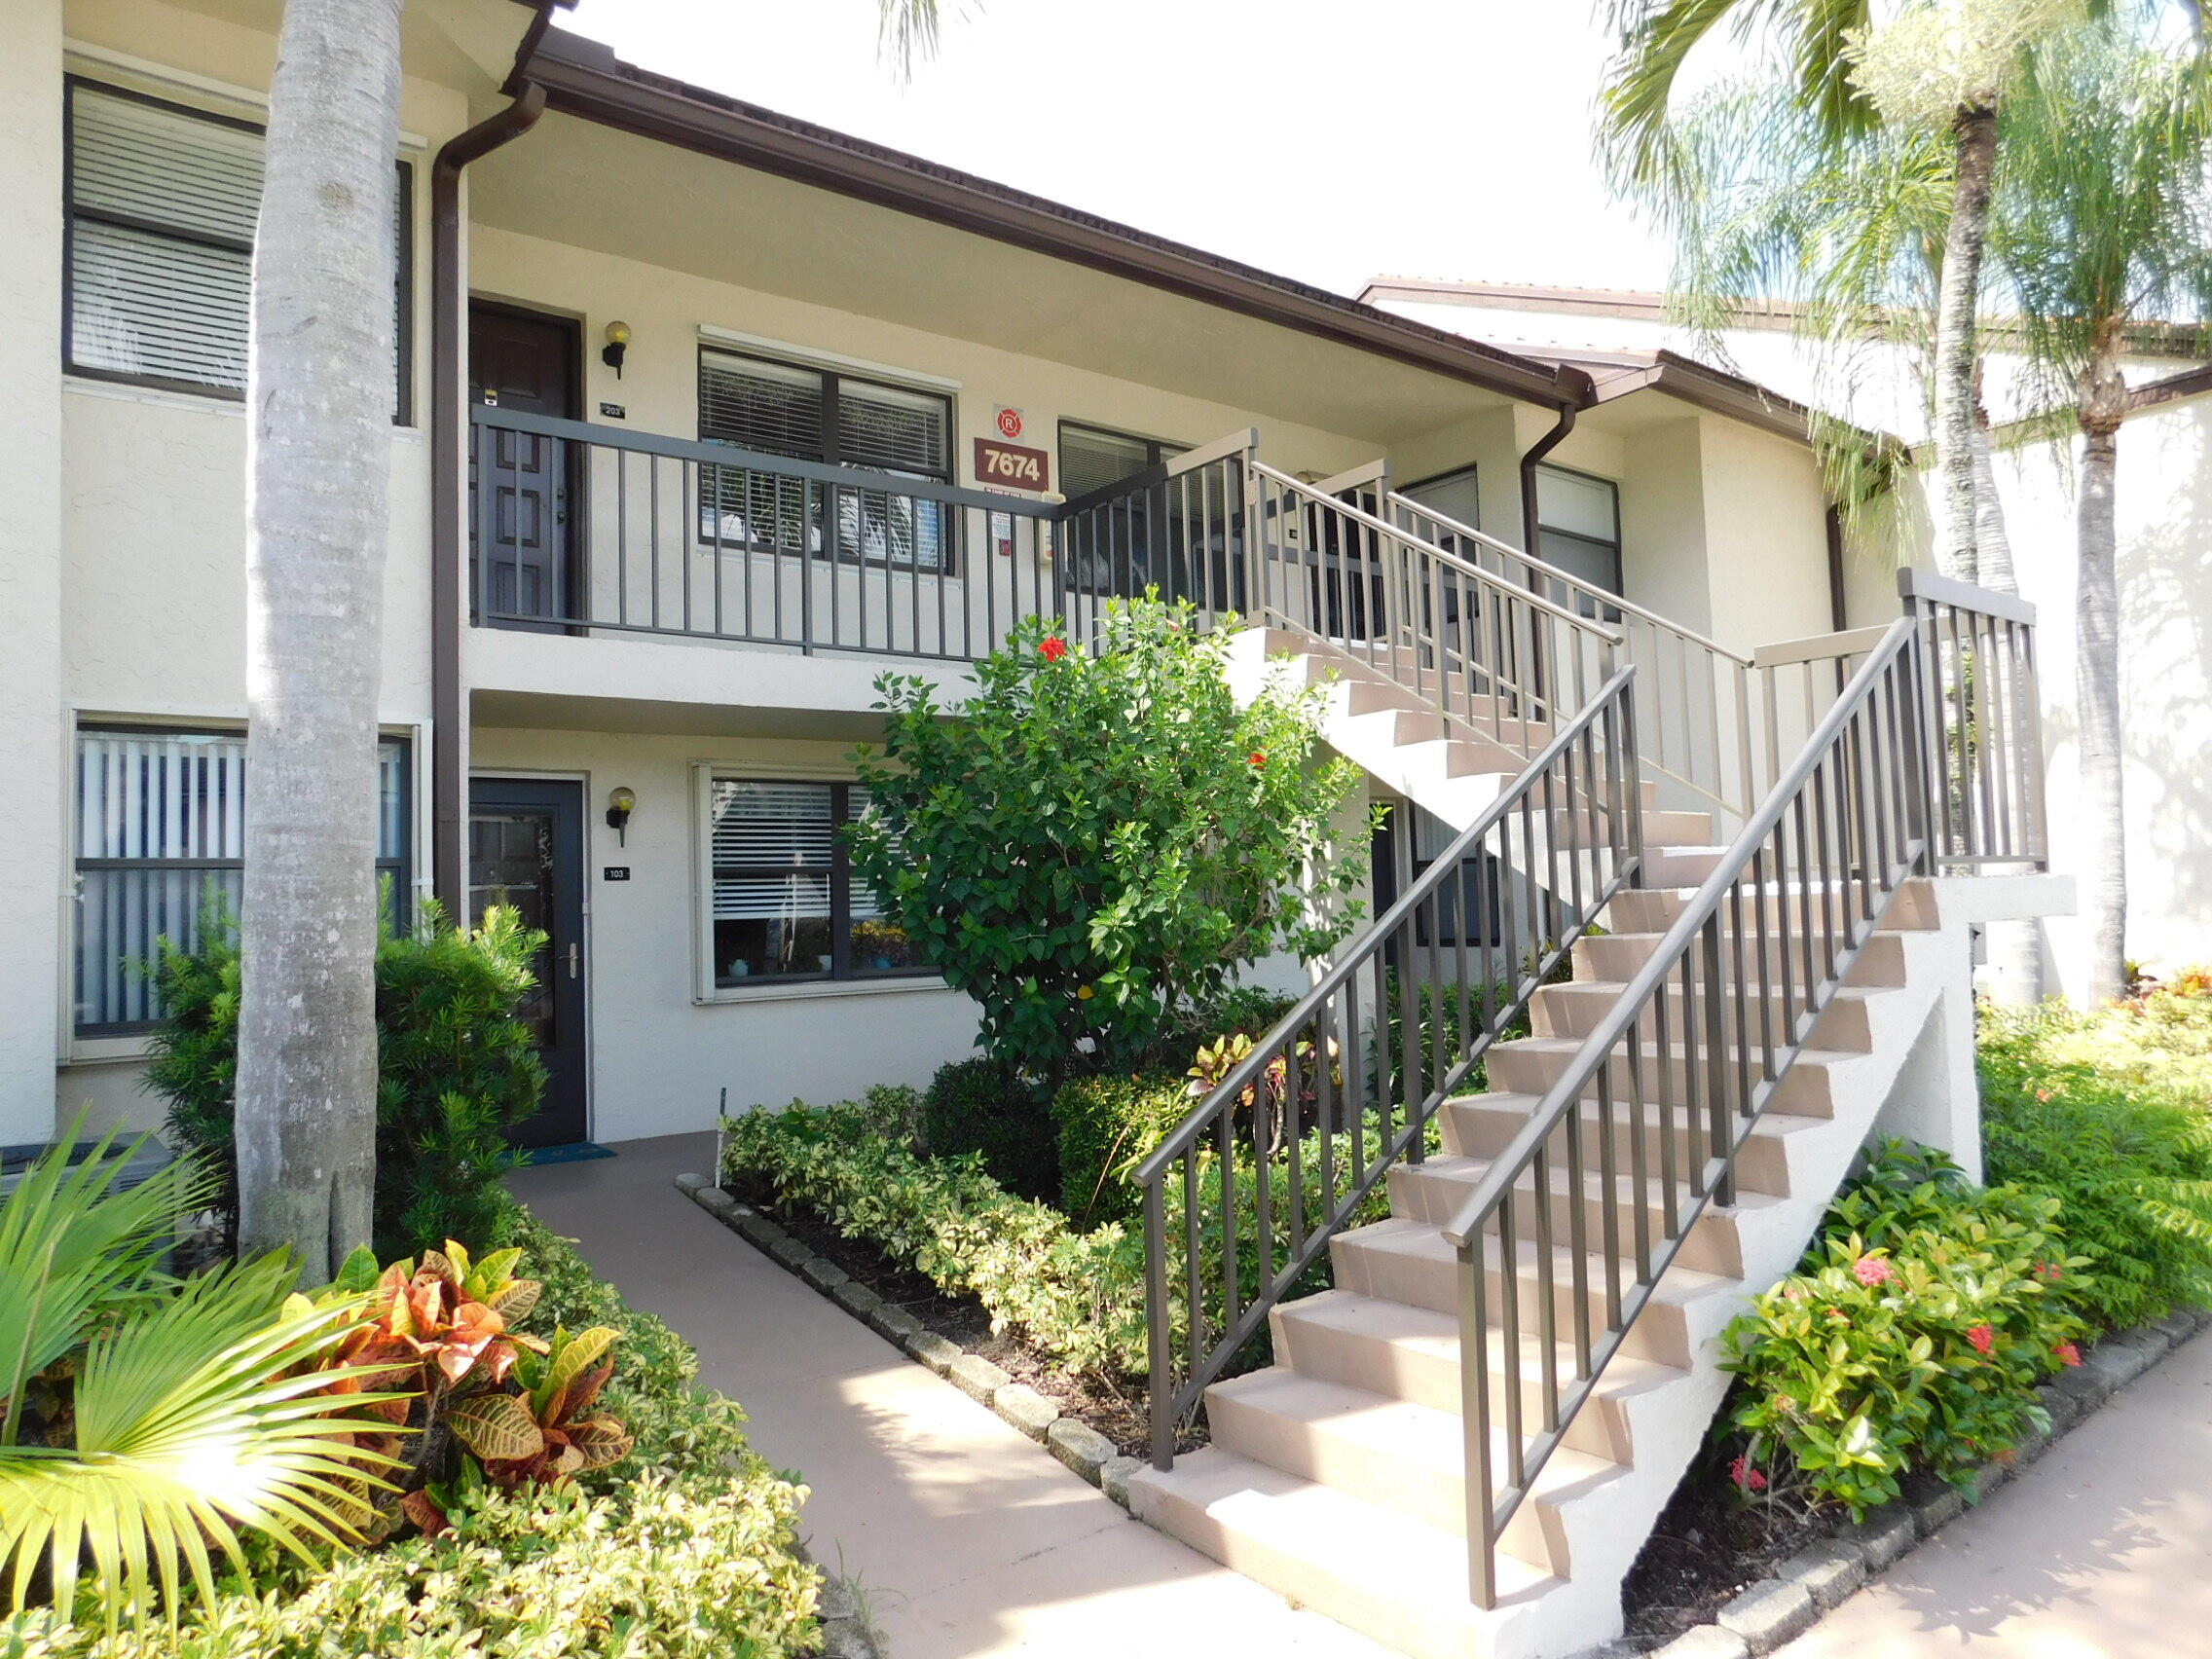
{"x":583,"y":78}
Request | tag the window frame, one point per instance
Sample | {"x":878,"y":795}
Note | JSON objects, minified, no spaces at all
{"x":403,"y":251}
{"x":841,"y":974}
{"x":950,"y":562}
{"x":1613,"y":488}
{"x":1466,"y":470}
{"x":399,"y":865}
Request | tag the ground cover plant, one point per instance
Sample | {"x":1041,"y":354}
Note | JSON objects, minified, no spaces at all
{"x":1103,"y":837}
{"x":455,"y":1069}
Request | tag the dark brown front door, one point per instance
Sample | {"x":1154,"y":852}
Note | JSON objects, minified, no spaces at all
{"x":527,"y":556}
{"x":526,"y":849}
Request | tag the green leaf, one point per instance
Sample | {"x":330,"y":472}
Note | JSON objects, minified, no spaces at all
{"x":497,"y":1427}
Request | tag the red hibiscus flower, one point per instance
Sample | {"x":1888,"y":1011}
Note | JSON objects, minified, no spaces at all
{"x":1054,"y":648}
{"x":1258,"y":757}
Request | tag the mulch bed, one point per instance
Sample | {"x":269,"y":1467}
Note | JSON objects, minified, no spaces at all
{"x":1116,"y":1408}
{"x":1708,"y":1547}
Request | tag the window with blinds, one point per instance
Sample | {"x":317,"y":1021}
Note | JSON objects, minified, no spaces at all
{"x":1091,"y":458}
{"x":161,"y":837}
{"x":782,"y":904}
{"x":819,"y":414}
{"x":162,"y":202}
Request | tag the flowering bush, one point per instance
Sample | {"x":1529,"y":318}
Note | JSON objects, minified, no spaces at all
{"x":1100,"y":838}
{"x":1910,"y":1338}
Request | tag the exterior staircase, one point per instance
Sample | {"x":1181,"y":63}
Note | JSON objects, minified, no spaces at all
{"x":1607,"y":1078}
{"x":1336,"y":1476}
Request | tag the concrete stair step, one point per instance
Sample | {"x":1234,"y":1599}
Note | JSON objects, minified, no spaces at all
{"x":1391,"y":1452}
{"x":1532,"y":1065}
{"x":1410,"y":1261}
{"x":1616,"y":956}
{"x":1653,"y":908}
{"x":1482,"y":1125}
{"x":1434,"y":1190}
{"x":1400,"y":1582}
{"x":1406,"y":1352}
{"x":1575,"y":1008}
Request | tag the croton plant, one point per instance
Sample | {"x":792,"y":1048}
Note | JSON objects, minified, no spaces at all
{"x":478,"y":1402}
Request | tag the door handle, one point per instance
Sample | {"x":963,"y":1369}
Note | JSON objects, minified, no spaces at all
{"x":572,"y":958}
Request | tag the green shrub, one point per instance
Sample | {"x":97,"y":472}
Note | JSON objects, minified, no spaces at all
{"x":683,"y":1550}
{"x":1248,"y":1011}
{"x":2128,"y":1156}
{"x":1910,"y":1338}
{"x":455,"y":1069}
{"x":1076,"y":1295}
{"x":1106,"y":1123}
{"x":1103,"y":837}
{"x":984,"y":1107}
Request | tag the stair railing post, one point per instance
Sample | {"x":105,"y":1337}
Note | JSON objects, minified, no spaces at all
{"x":1158,"y":1336}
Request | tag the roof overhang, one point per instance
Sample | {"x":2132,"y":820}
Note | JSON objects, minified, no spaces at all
{"x":583,"y":78}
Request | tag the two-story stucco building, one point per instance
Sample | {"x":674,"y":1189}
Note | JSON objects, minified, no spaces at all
{"x":607,"y":279}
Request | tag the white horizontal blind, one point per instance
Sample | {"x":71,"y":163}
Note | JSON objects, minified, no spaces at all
{"x":881,"y":428}
{"x":163,"y":205}
{"x":751,"y":404}
{"x":774,"y":848}
{"x":1092,"y":460}
{"x":160,"y":833}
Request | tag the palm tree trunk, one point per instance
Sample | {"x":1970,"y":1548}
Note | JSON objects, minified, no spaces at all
{"x":2100,"y":806}
{"x":319,"y":448}
{"x":1992,"y":544}
{"x":1957,"y":302}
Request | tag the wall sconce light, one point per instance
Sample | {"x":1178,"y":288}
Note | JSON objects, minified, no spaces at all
{"x":620,"y":804}
{"x":617,"y":342}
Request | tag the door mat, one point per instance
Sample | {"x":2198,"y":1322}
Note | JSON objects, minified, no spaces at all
{"x":577,"y":1151}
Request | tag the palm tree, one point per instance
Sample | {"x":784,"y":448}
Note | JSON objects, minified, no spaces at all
{"x":1941,"y":62}
{"x":318,"y":395}
{"x":2104,"y":221}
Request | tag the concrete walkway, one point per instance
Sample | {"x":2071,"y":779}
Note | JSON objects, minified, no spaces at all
{"x":2100,"y":1550}
{"x":967,"y":1538}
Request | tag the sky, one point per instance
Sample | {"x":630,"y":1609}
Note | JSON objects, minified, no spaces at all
{"x":1329,"y":140}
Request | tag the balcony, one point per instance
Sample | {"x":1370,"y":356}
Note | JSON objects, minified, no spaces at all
{"x":595,"y":531}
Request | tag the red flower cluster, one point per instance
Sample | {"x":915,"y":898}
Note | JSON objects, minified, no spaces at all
{"x":1871,"y":1270}
{"x":2047,"y":1271}
{"x":1746,"y":1477}
{"x":1053,"y":649}
{"x":1257,"y":757}
{"x":2066,"y":1354}
{"x":1982,"y":1337}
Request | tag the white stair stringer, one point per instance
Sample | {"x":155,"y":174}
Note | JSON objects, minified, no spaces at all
{"x":1334,"y":1476}
{"x":1450,"y":768}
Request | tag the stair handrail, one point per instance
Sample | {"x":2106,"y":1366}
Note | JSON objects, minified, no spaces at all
{"x":1425,"y":1040}
{"x":1726,"y":677}
{"x":1487,"y":653}
{"x":1854,"y":803}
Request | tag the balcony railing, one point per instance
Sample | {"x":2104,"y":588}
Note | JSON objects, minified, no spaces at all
{"x":583,"y":528}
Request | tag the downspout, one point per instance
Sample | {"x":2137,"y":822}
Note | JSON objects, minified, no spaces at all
{"x":449,"y":465}
{"x":1542,"y":447}
{"x":1838,"y":610}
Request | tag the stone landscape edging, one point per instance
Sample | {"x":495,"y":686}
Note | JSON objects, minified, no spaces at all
{"x":1071,"y":1441}
{"x":1759,"y":1619}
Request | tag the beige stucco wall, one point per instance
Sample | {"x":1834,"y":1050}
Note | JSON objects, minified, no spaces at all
{"x":31,"y":748}
{"x":1765,"y":533}
{"x":2164,"y":513}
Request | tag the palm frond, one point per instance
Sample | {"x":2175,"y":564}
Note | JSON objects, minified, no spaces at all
{"x":196,"y":1417}
{"x":70,"y":1244}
